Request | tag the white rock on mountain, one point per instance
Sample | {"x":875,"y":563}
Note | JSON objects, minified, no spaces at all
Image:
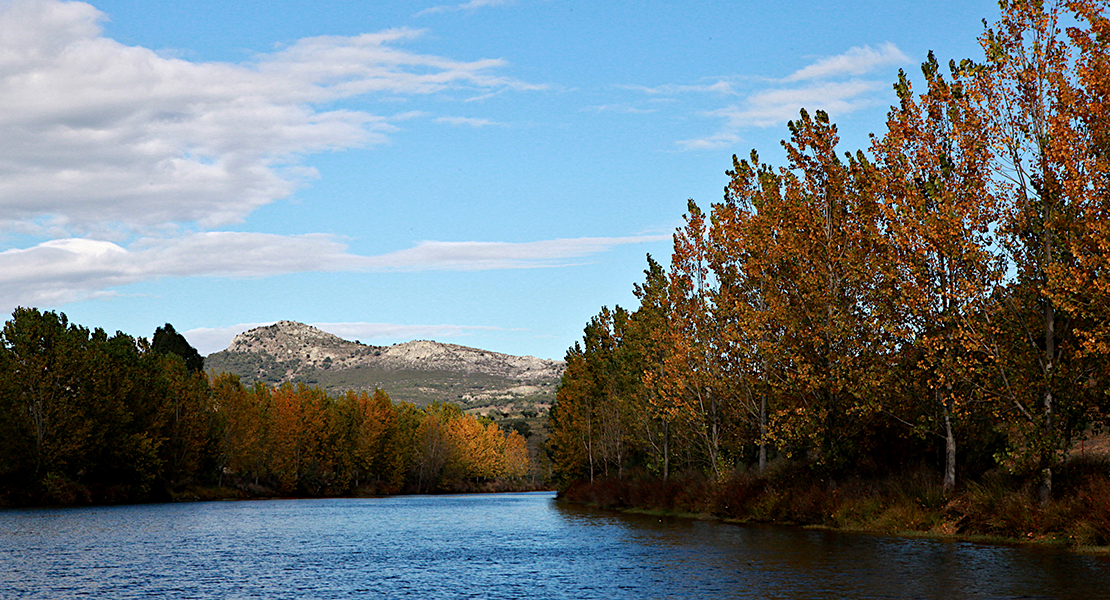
{"x":311,"y":347}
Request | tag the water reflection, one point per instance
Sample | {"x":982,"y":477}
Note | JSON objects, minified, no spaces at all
{"x":492,"y":546}
{"x":759,"y":561}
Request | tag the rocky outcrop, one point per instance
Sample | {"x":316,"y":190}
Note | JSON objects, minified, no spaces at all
{"x":291,"y":351}
{"x":426,"y":355}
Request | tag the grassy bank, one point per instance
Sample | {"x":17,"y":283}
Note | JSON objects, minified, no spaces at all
{"x":998,"y":507}
{"x":250,"y":491}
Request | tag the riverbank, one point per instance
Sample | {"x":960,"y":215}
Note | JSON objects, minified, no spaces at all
{"x":200,"y":493}
{"x":68,"y":494}
{"x":997,"y":508}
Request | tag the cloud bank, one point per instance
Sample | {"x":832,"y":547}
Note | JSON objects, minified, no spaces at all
{"x":465,"y":6}
{"x":833,"y":84}
{"x":100,"y":136}
{"x":61,"y":271}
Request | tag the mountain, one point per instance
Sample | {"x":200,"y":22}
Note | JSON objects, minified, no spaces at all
{"x":419,"y":372}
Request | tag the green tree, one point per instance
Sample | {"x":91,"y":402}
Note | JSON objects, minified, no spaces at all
{"x":167,"y":341}
{"x":45,"y":356}
{"x":654,"y":417}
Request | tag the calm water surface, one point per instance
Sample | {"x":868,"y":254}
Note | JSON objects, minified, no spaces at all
{"x":493,"y":546}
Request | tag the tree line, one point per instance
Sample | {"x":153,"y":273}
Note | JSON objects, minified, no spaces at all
{"x":88,"y":417}
{"x":942,"y":298}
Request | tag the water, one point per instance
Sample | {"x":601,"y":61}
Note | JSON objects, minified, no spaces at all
{"x":493,"y":546}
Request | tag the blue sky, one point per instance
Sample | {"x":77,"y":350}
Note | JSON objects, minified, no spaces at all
{"x":487,"y":173}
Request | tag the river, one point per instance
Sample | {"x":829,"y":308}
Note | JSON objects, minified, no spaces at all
{"x":493,"y":546}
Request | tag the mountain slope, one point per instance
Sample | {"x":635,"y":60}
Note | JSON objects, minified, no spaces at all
{"x":420,"y":372}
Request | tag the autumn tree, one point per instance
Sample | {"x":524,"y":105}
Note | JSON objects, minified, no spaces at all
{"x":245,"y":417}
{"x":432,"y":446}
{"x":691,"y":384}
{"x":743,"y":236}
{"x":477,"y":448}
{"x":655,"y":418}
{"x":1085,"y":285}
{"x":516,"y":463}
{"x":1044,"y":105}
{"x":367,"y":439}
{"x":828,"y":293}
{"x":932,"y":173}
{"x":301,"y":437}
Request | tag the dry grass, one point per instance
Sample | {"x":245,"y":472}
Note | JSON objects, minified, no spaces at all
{"x":998,"y":506}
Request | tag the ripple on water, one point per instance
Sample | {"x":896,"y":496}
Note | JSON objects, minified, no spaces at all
{"x":492,"y":546}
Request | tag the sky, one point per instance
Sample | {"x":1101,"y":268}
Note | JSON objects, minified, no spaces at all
{"x":487,"y":173}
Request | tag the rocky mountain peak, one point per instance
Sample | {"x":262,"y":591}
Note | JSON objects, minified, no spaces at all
{"x":288,"y":338}
{"x":290,"y":350}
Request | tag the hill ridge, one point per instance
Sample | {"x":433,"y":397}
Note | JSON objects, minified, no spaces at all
{"x":420,"y":370}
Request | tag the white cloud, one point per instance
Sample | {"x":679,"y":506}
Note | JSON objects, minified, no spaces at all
{"x":472,"y":5}
{"x":478,"y":256}
{"x":858,"y":60}
{"x":774,"y":107}
{"x":214,"y":339}
{"x":99,"y":135}
{"x":720,"y":87}
{"x":62,"y":271}
{"x":368,"y":332}
{"x":466,"y":121}
{"x":623,"y":108}
{"x":832,"y":84}
{"x":722,"y":139}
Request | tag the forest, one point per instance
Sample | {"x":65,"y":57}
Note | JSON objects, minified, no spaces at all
{"x":91,"y":418}
{"x":922,"y":326}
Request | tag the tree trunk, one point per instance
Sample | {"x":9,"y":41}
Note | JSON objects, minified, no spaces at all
{"x":949,"y":448}
{"x":1048,"y":447}
{"x":666,"y":450}
{"x":762,"y":434}
{"x":1044,"y":491}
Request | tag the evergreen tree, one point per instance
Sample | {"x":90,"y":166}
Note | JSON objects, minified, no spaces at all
{"x":168,"y":341}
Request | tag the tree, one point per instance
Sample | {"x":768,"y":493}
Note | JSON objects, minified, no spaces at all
{"x":1085,"y":286}
{"x":167,"y":341}
{"x":122,"y":458}
{"x":516,"y":462}
{"x":655,"y":418}
{"x":367,"y":432}
{"x":477,"y":448}
{"x":432,"y":452}
{"x":932,"y":173}
{"x":300,"y":437}
{"x":1044,"y":106}
{"x":691,"y":382}
{"x":572,"y":420}
{"x":45,"y":355}
{"x":827,"y":271}
{"x":743,"y":238}
{"x":245,"y":417}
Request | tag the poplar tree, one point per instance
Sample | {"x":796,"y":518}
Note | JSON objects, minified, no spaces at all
{"x":932,"y":174}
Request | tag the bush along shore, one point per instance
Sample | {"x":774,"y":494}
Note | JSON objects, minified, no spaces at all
{"x":1000,"y":507}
